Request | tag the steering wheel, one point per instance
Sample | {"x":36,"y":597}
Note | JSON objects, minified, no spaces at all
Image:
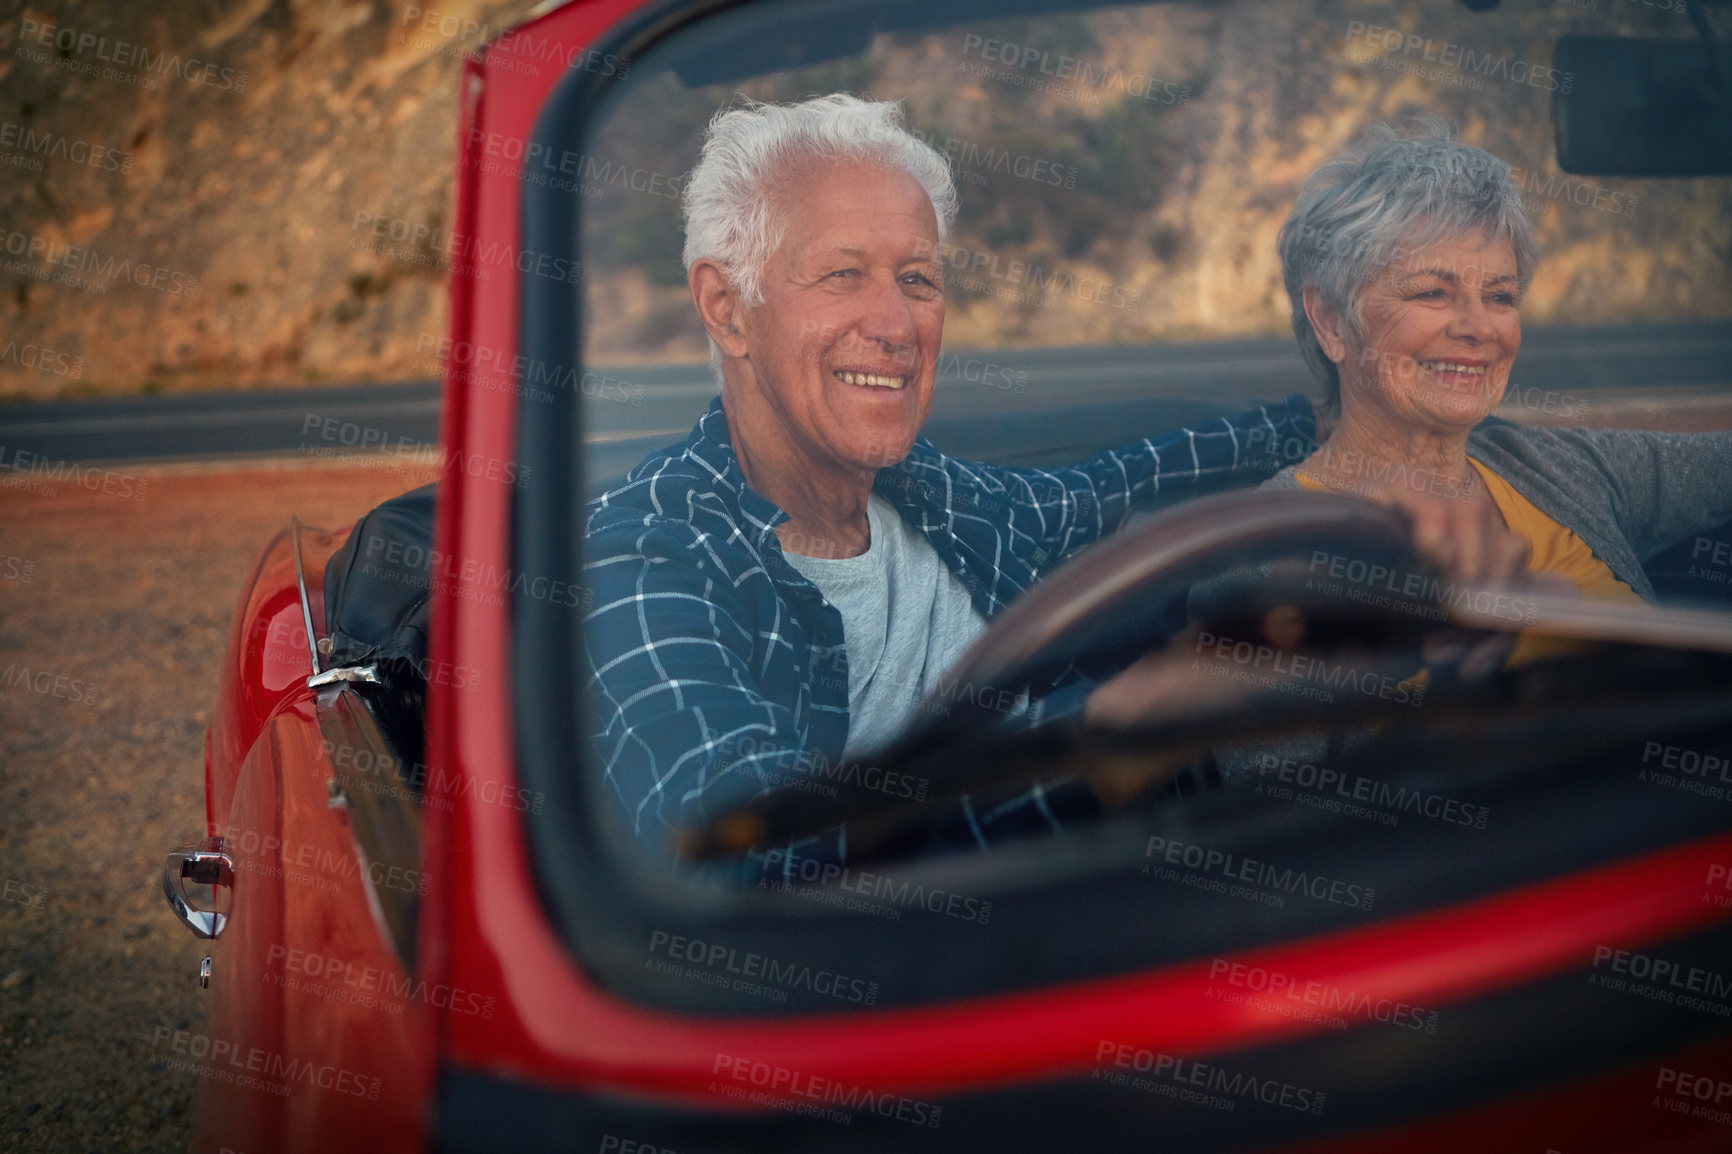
{"x":1081,"y":608}
{"x":1080,"y":611}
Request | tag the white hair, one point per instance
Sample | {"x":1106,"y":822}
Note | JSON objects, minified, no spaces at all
{"x":732,"y":214}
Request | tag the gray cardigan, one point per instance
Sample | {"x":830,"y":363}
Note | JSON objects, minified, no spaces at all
{"x":1627,"y":493}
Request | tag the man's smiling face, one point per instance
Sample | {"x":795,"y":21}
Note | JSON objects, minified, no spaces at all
{"x":845,"y":344}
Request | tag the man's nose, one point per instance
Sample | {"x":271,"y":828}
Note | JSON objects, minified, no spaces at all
{"x":887,"y":319}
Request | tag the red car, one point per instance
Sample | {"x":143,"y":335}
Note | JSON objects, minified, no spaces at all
{"x":1508,"y":926}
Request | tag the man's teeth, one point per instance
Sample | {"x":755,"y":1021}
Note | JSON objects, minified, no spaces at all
{"x":1452,"y":367}
{"x":871,"y":380}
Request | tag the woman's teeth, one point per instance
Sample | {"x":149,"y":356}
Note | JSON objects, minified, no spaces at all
{"x":871,"y":380}
{"x":1452,"y":367}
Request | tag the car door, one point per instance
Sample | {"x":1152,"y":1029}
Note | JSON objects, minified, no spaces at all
{"x":1411,"y":951}
{"x":315,"y":1035}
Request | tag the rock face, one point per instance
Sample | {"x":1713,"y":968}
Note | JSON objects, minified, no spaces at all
{"x":254,"y":197}
{"x":264,"y":195}
{"x":1123,"y":175}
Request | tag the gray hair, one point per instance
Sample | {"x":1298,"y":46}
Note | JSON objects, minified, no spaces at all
{"x":1388,"y":192}
{"x":732,"y":216}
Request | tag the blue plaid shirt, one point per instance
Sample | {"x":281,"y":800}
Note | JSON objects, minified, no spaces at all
{"x":717,"y":672}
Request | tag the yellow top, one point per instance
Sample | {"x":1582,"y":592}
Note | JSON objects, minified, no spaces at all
{"x":1554,"y":548}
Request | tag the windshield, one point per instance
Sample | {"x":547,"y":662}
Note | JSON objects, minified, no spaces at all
{"x":1115,"y":322}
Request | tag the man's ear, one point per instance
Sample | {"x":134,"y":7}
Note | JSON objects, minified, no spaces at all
{"x":718,"y":305}
{"x":1328,"y":323}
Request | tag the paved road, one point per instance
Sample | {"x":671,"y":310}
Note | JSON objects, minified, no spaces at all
{"x":1064,"y":399}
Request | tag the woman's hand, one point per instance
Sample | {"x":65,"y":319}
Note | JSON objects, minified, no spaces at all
{"x":1466,"y":541}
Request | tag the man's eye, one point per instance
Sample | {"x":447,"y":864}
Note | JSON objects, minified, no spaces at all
{"x":919,"y":278}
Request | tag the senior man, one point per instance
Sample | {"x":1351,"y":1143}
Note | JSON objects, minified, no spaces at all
{"x":776,"y":593}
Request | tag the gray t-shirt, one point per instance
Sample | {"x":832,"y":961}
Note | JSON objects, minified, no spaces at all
{"x":905,"y":620}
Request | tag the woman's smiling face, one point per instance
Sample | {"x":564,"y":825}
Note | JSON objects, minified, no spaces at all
{"x":1440,"y":328}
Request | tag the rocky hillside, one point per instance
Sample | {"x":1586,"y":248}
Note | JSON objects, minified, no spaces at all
{"x":217,"y":167}
{"x":234,"y":192}
{"x":1125,"y":177}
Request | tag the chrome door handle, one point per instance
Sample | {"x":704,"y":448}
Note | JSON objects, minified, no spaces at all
{"x":205,"y":866}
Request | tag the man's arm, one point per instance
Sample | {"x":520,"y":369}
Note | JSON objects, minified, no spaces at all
{"x":1073,"y":507}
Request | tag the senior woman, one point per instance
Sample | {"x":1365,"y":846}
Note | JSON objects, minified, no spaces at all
{"x":1406,"y":260}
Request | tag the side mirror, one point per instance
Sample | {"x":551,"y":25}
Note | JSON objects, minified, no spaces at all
{"x":1635,"y":107}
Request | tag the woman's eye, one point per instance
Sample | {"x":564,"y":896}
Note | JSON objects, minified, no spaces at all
{"x":1430,"y":294}
{"x":1506,"y":299}
{"x":843,"y":272}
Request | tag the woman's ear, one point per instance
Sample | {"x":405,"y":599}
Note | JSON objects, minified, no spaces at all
{"x":1328,"y":323}
{"x":718,"y":305}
